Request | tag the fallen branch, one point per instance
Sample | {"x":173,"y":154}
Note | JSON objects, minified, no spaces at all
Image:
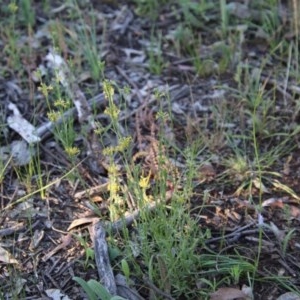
{"x":47,"y":127}
{"x":104,"y":268}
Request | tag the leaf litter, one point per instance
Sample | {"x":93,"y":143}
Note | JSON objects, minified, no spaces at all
{"x":203,"y":101}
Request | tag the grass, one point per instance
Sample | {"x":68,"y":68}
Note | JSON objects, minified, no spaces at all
{"x":245,"y":134}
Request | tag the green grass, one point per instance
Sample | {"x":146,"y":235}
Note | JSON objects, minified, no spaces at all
{"x":245,"y":135}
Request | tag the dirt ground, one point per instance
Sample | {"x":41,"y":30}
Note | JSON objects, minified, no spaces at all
{"x":153,"y":60}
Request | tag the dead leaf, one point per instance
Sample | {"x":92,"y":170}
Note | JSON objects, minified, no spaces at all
{"x":287,"y":166}
{"x":21,"y":126}
{"x":36,"y":239}
{"x":247,"y":291}
{"x":82,"y":221}
{"x":295,"y":211}
{"x":227,"y":294}
{"x":273,"y":202}
{"x":21,"y":153}
{"x":289,"y":296}
{"x":6,"y":257}
{"x":260,"y":186}
{"x":277,"y":184}
{"x":97,"y":199}
{"x":280,"y":234}
{"x":56,"y":294}
{"x":206,"y":172}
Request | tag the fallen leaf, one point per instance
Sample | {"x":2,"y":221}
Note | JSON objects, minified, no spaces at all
{"x":6,"y":257}
{"x":289,"y":296}
{"x":36,"y":239}
{"x":56,"y":294}
{"x":287,"y":166}
{"x":248,"y":291}
{"x":227,"y":294}
{"x":260,"y":186}
{"x":25,"y":129}
{"x":273,"y":202}
{"x":21,"y":153}
{"x":81,"y":221}
{"x":295,"y":211}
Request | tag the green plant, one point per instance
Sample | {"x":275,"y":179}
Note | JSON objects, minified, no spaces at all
{"x":224,"y":17}
{"x":172,"y":234}
{"x":92,"y":49}
{"x":235,"y":274}
{"x":125,"y":268}
{"x":95,"y":290}
{"x":156,"y":60}
{"x":3,"y":167}
{"x":244,"y":130}
{"x":149,"y":8}
{"x":89,"y":252}
{"x":11,"y":35}
{"x":27,"y":12}
{"x":195,"y":13}
{"x":64,"y":131}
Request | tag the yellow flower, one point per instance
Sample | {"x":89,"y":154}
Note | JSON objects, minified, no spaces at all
{"x":144,"y":182}
{"x":113,"y":187}
{"x":43,"y":88}
{"x":98,"y":131}
{"x":117,"y":199}
{"x":61,"y":103}
{"x":109,"y":151}
{"x":126,"y":90}
{"x":113,"y":170}
{"x":158,"y":94}
{"x":58,"y":77}
{"x":164,"y":116}
{"x":112,"y":111}
{"x":53,"y":115}
{"x":124,"y":143}
{"x":108,"y":89}
{"x":72,"y":151}
{"x":99,"y":128}
{"x":13,"y":7}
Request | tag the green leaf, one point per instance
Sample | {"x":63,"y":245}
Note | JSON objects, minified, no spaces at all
{"x":125,"y":268}
{"x":89,"y":291}
{"x":99,"y":289}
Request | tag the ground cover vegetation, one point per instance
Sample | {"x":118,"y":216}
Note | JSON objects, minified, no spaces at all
{"x":149,"y":149}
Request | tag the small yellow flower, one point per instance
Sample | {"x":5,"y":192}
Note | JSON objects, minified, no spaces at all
{"x":108,"y":89}
{"x":44,"y":89}
{"x":53,"y":115}
{"x":158,"y":94}
{"x":109,"y":151}
{"x":99,"y":128}
{"x":126,"y":90}
{"x":118,"y":200}
{"x":124,"y":143}
{"x":113,"y":187}
{"x":13,"y":7}
{"x":72,"y":151}
{"x":144,"y":182}
{"x":113,"y":170}
{"x":99,"y":131}
{"x":61,"y":103}
{"x":58,"y":77}
{"x":164,"y":116}
{"x":112,"y":111}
